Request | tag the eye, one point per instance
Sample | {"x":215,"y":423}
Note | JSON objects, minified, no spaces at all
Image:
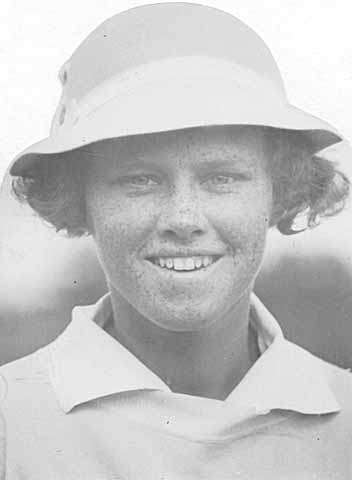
{"x":137,"y":183}
{"x":222,"y":179}
{"x":225,"y":181}
{"x":141,"y":180}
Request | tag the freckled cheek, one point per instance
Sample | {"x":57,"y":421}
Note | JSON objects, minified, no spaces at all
{"x":121,"y":228}
{"x":243,"y":224}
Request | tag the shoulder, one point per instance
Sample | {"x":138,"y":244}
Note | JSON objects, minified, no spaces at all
{"x":340,"y":424}
{"x":2,"y":447}
{"x":24,"y":367}
{"x":30,"y":413}
{"x":340,"y":381}
{"x":23,"y":379}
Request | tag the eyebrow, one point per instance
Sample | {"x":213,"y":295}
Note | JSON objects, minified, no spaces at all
{"x":216,"y":162}
{"x":232,"y":161}
{"x":115,"y":162}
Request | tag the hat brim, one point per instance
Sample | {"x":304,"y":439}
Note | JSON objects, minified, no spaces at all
{"x":176,"y":105}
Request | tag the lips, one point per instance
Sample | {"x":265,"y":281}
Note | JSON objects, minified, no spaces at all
{"x":182,"y":263}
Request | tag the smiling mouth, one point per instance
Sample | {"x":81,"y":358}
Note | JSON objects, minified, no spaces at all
{"x":185,"y":264}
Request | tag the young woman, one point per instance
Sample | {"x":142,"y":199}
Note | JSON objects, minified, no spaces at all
{"x":174,"y":146}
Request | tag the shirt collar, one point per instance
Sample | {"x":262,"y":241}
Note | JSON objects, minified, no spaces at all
{"x":86,"y":363}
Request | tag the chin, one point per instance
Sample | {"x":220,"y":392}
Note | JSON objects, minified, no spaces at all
{"x":186,"y":319}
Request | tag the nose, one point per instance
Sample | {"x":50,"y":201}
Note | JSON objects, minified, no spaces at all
{"x":182,"y":215}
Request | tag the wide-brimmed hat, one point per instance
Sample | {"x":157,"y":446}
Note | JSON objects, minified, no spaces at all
{"x":170,"y":66}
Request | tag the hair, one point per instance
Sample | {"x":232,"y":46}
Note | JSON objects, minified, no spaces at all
{"x":54,"y":188}
{"x":303,"y":184}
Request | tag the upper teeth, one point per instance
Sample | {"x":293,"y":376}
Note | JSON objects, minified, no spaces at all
{"x":184,"y":263}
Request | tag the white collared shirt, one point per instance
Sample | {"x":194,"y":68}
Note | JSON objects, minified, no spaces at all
{"x":84,"y":407}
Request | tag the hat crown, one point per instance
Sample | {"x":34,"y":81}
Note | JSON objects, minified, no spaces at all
{"x":158,"y":31}
{"x":170,"y":66}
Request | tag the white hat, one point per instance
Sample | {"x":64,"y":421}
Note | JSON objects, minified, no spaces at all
{"x":170,"y":66}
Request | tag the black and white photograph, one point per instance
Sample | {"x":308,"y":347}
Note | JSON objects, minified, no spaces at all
{"x":176,"y":240}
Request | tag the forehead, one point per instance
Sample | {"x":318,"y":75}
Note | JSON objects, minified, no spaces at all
{"x":189,"y":146}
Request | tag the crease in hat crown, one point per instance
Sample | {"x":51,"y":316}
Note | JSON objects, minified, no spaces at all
{"x":122,"y":79}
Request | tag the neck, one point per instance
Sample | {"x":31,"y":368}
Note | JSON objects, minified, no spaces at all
{"x":208,"y":363}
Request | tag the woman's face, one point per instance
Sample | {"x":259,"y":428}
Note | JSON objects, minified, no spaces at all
{"x":180,"y":220}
